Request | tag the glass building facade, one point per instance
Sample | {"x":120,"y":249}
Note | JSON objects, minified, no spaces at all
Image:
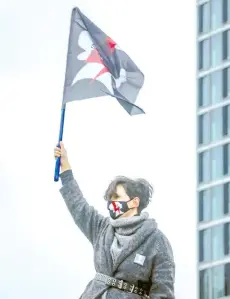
{"x":213,"y":148}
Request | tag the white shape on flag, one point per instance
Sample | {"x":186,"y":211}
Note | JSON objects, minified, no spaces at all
{"x":91,"y":69}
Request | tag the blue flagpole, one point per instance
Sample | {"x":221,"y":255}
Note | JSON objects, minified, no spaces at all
{"x":57,"y":165}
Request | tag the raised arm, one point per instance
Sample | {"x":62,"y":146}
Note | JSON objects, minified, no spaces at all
{"x":85,"y":216}
{"x":163,"y":275}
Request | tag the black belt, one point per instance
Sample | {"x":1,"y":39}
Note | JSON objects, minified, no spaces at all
{"x":121,"y":285}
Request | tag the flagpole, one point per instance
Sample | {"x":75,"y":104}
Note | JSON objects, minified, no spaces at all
{"x":58,"y":160}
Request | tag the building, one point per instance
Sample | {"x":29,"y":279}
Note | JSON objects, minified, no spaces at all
{"x":213,"y":148}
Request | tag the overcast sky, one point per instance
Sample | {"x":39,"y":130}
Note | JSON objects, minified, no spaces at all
{"x":42,"y":253}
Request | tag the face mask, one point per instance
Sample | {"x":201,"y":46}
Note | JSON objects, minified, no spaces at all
{"x":117,"y":208}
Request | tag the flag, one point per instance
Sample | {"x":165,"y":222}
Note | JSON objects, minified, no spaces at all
{"x":96,"y":67}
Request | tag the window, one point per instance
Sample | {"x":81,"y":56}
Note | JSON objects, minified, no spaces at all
{"x":204,"y":54}
{"x":204,"y":205}
{"x":226,"y":11}
{"x":227,"y":198}
{"x":226,"y":82}
{"x":217,"y":196}
{"x":227,"y":239}
{"x":226,"y":45}
{"x":228,"y":163}
{"x":204,"y":167}
{"x":205,"y":284}
{"x":226,"y":120}
{"x":216,"y":50}
{"x":216,"y":278}
{"x":204,"y":18}
{"x":204,"y":125}
{"x":201,"y":168}
{"x":218,"y":282}
{"x":217,"y":162}
{"x":214,"y":203}
{"x":204,"y":91}
{"x":216,"y":124}
{"x":216,"y":87}
{"x":227,"y":279}
{"x":217,"y":242}
{"x":214,"y":243}
{"x":226,"y":159}
{"x":205,"y":245}
{"x":216,"y":14}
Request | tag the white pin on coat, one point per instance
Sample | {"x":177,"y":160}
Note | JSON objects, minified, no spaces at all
{"x":139,"y":259}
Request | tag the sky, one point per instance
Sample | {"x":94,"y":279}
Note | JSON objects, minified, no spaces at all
{"x":42,"y":252}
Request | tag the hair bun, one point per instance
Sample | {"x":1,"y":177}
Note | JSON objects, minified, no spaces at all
{"x":146,"y":187}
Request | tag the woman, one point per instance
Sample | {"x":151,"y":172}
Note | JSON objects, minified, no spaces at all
{"x":133,"y":258}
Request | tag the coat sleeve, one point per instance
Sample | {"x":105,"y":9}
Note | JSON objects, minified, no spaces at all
{"x":86,"y":217}
{"x":163,"y":274}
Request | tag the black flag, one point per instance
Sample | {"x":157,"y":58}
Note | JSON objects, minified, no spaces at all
{"x":97,"y":67}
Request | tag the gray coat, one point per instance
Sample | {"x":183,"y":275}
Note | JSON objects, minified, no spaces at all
{"x":149,"y":241}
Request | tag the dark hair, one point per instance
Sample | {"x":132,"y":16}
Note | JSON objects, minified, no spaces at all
{"x":134,"y":188}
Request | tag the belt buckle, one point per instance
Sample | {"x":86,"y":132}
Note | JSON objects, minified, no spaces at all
{"x":132,"y":287}
{"x":120,"y":284}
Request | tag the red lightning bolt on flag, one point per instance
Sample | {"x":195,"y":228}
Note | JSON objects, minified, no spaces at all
{"x":94,"y":57}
